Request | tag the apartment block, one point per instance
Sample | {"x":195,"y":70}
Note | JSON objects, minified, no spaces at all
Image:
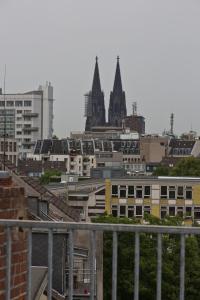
{"x":27,"y":117}
{"x":159,"y":196}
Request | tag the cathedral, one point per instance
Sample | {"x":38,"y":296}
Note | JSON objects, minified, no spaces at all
{"x":95,"y":107}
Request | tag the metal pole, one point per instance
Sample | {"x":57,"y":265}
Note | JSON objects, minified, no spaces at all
{"x":4,"y":131}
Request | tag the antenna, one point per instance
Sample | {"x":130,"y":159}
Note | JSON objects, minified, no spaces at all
{"x":4,"y":129}
{"x":172,"y":124}
{"x":134,"y":107}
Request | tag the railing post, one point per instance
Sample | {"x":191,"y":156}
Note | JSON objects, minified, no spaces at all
{"x":182,"y":267}
{"x":114,"y":266}
{"x":8,"y":263}
{"x":50,"y":263}
{"x":137,"y":266}
{"x":71,"y":265}
{"x":159,"y":267}
{"x":92,"y":264}
{"x":29,"y":264}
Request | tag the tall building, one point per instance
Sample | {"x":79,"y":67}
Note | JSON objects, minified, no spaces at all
{"x":95,"y":108}
{"x":27,"y":117}
{"x":117,"y":107}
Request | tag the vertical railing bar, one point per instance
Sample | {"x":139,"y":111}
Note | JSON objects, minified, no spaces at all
{"x":8,"y":263}
{"x":92,"y":264}
{"x":137,"y":266}
{"x":159,"y":267}
{"x":114,"y":266}
{"x":71,"y":265}
{"x":29,"y":264}
{"x":182,"y":267}
{"x":50,"y":263}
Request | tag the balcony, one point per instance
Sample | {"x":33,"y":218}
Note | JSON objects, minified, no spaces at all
{"x":49,"y":228}
{"x":31,"y":115}
{"x":29,"y":129}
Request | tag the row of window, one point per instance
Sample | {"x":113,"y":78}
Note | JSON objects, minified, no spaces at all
{"x":139,"y":191}
{"x":17,"y":103}
{"x":172,"y":211}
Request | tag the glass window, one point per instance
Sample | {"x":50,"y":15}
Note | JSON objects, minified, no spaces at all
{"x":188,"y":211}
{"x":171,"y":211}
{"x":188,"y":193}
{"x":131,"y":190}
{"x":139,"y":211}
{"x":163,"y":192}
{"x":139,"y":192}
{"x":172,"y":192}
{"x":147,"y":209}
{"x":130,"y":211}
{"x":27,"y":103}
{"x":147,"y":191}
{"x":114,"y":190}
{"x":163,"y":212}
{"x":197,"y":213}
{"x":18,"y":103}
{"x":122,"y":211}
{"x":2,"y":103}
{"x":10,"y":103}
{"x":180,"y":211}
{"x":114,"y":210}
{"x":180,"y":194}
{"x":122,"y":191}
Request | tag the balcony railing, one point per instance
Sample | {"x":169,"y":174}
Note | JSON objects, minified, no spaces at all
{"x":93,"y":229}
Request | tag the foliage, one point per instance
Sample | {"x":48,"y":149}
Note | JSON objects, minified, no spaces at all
{"x":148,"y":261}
{"x":46,"y":177}
{"x":189,"y":166}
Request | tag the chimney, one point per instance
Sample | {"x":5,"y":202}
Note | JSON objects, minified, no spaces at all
{"x":13,"y":205}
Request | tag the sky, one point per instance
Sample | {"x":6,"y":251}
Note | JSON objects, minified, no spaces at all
{"x":158,"y":42}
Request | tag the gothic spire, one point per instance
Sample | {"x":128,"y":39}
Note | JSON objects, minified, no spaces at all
{"x":96,"y":85}
{"x":117,"y":88}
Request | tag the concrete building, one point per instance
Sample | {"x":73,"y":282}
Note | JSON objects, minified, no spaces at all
{"x":27,"y":117}
{"x":153,"y":148}
{"x":11,"y":150}
{"x":160,"y":196}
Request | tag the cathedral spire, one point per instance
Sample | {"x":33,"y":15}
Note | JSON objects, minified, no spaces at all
{"x":96,"y":85}
{"x":117,"y":88}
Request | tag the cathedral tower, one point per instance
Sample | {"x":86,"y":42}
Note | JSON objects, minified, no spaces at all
{"x":95,"y":108}
{"x":117,"y":107}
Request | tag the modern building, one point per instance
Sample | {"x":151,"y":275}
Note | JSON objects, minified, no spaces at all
{"x":10,"y":150}
{"x":27,"y":117}
{"x":159,"y":196}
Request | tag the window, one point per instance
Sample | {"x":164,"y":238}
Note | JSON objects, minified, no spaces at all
{"x":147,"y":209}
{"x":197,"y":213}
{"x":171,"y":211}
{"x":188,"y":211}
{"x":122,"y":191}
{"x":19,"y":111}
{"x":188,"y":193}
{"x":27,"y":103}
{"x":18,"y":103}
{"x":122,"y":211}
{"x":10,"y":103}
{"x":172,"y":192}
{"x":2,"y":103}
{"x":114,"y":210}
{"x":130,"y":211}
{"x":130,"y":191}
{"x":139,"y":193}
{"x":180,"y":194}
{"x":163,"y":212}
{"x":147,"y":191}
{"x":138,"y":211}
{"x":114,"y":190}
{"x":180,"y":211}
{"x":163,"y":192}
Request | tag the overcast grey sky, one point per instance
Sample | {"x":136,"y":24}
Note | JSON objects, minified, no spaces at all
{"x":158,"y":42}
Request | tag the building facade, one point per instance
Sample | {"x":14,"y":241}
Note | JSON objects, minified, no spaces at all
{"x":27,"y":117}
{"x":160,"y":196}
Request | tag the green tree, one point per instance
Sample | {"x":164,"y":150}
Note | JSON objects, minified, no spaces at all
{"x":46,"y":177}
{"x":148,"y":262}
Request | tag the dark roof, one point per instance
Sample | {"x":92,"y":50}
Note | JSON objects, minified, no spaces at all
{"x":175,"y":143}
{"x":117,"y":88}
{"x":96,"y":85}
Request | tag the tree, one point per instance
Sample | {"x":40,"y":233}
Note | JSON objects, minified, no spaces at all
{"x":148,"y":262}
{"x":189,"y":166}
{"x":46,"y":177}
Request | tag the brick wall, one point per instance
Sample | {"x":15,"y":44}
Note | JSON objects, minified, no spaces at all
{"x":13,"y":206}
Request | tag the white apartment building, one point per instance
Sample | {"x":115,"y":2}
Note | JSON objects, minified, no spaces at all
{"x":27,"y":117}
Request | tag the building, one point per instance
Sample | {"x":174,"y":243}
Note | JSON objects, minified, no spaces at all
{"x":117,"y":107}
{"x":94,"y":103}
{"x":135,"y":123}
{"x":27,"y":117}
{"x":153,"y":148}
{"x":11,"y":150}
{"x":159,"y":196}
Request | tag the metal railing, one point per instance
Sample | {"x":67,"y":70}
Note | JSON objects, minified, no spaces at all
{"x":93,"y":228}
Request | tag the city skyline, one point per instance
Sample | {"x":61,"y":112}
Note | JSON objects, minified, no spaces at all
{"x":157,"y":43}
